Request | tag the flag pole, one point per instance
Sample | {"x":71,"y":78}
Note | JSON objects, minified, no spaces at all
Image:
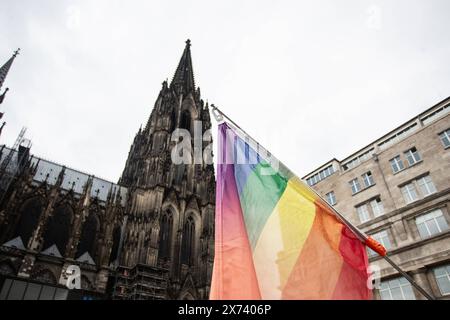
{"x":367,"y":240}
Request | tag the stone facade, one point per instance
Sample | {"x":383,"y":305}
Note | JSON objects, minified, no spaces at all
{"x":402,"y":181}
{"x":170,"y":201}
{"x":151,"y":236}
{"x":52,"y":217}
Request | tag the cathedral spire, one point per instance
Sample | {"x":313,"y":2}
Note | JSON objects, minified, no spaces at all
{"x":5,"y":68}
{"x":183,"y":80}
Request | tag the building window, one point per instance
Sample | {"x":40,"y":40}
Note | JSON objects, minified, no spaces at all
{"x":383,"y":238}
{"x":397,"y":164}
{"x":21,"y":290}
{"x":29,"y":217}
{"x":445,"y":138}
{"x":354,"y":184}
{"x":368,"y":179}
{"x":185,"y":121}
{"x":413,"y":156}
{"x":331,"y":198}
{"x":400,"y":135}
{"x":357,"y":160}
{"x":322,"y":174}
{"x":410,"y":193}
{"x":442,"y":275}
{"x":431,"y":223}
{"x":377,"y":207}
{"x":435,"y":114}
{"x":363,"y":213}
{"x":58,"y":228}
{"x":89,"y":233}
{"x":115,"y":244}
{"x":396,"y":289}
{"x":165,"y":235}
{"x":187,"y":249}
{"x":426,"y":185}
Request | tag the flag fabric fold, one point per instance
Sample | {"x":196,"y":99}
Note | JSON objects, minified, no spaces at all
{"x":274,"y":238}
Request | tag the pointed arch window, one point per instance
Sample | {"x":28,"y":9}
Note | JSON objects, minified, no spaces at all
{"x":165,"y":235}
{"x":172,"y":120}
{"x":187,"y":248}
{"x":115,"y":246}
{"x":29,"y":218}
{"x":58,"y":229}
{"x":88,"y":236}
{"x":185,"y":120}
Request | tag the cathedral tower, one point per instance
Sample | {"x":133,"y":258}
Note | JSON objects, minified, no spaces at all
{"x":169,"y":228}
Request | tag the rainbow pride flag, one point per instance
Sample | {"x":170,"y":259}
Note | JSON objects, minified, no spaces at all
{"x":274,"y":238}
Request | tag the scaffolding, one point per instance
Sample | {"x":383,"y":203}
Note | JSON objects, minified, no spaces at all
{"x":13,"y":162}
{"x":141,"y":282}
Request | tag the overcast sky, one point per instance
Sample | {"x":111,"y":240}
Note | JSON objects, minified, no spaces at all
{"x":311,"y":80}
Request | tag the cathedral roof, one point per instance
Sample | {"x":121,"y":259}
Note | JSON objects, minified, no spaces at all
{"x":75,"y":180}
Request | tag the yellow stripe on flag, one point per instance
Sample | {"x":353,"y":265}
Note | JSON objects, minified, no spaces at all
{"x":283,"y":237}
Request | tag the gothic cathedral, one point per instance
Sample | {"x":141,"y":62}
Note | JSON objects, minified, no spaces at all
{"x":171,"y":215}
{"x":149,"y":236}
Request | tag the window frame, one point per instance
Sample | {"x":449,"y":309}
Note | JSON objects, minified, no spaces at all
{"x":404,"y":187}
{"x":403,"y":283}
{"x":188,"y":242}
{"x":447,"y":274}
{"x":368,"y":177}
{"x":364,"y":205}
{"x":397,"y":160}
{"x":445,"y":135}
{"x":436,"y":213}
{"x":413,"y":155}
{"x":379,"y":203}
{"x":354,"y":183}
{"x":331,"y":197}
{"x":165,"y":237}
{"x":426,"y":184}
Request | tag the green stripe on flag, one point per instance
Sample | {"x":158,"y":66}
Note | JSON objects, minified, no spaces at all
{"x":258,"y":199}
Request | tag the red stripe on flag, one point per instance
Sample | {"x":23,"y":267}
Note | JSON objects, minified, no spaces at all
{"x":352,"y":283}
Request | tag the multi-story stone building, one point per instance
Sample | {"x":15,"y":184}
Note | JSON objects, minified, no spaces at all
{"x":151,"y":236}
{"x":397,"y":189}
